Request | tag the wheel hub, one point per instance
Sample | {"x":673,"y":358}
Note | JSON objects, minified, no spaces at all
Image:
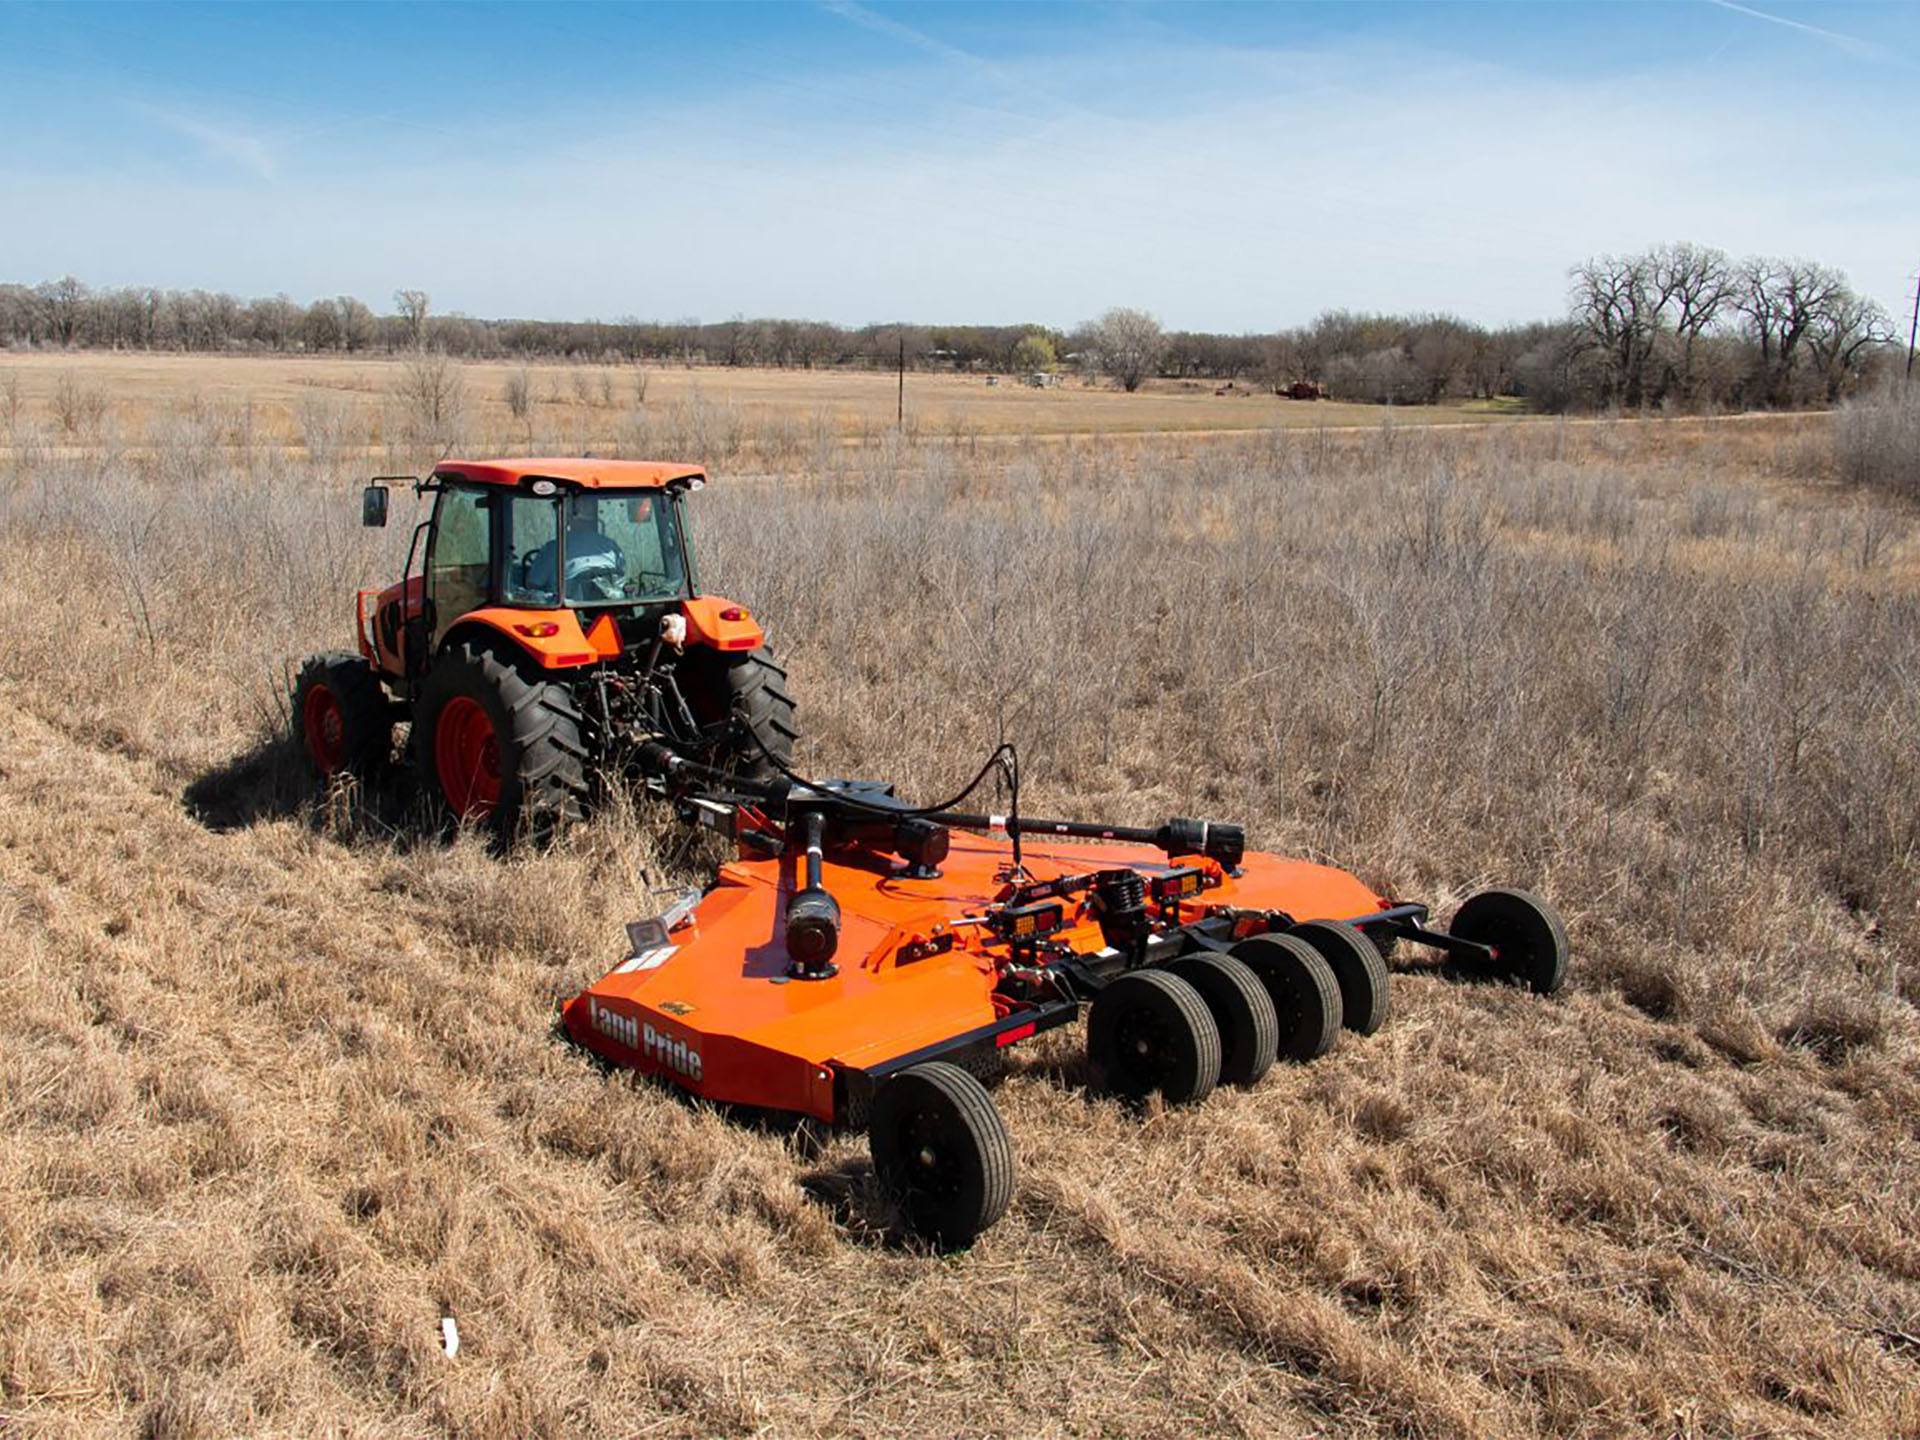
{"x":324,"y":725}
{"x":466,"y":755}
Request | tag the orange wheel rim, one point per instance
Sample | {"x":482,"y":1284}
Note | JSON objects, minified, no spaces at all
{"x":324,"y":725}
{"x":466,"y":756}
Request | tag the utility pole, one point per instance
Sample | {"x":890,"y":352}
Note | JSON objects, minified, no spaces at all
{"x":900,"y":411}
{"x":1913,"y":330}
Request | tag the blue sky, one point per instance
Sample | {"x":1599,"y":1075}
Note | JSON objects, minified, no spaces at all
{"x":1231,"y":167}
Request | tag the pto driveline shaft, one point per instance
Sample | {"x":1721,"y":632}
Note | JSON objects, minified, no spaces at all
{"x":1179,"y":836}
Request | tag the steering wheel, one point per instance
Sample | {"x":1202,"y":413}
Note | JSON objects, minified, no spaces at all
{"x":603,"y":572}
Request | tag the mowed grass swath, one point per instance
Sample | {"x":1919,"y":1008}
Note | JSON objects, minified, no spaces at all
{"x":281,"y":1088}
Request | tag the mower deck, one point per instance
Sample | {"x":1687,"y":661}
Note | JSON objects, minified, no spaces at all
{"x":717,"y":1009}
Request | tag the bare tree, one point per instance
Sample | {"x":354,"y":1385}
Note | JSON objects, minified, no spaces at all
{"x":1848,"y":327}
{"x":65,"y":301}
{"x":1695,"y":285}
{"x":433,"y":399}
{"x":354,"y":322}
{"x":1130,"y":343}
{"x":1441,"y":350}
{"x":1784,"y":300}
{"x":413,"y":306}
{"x":1617,"y":307}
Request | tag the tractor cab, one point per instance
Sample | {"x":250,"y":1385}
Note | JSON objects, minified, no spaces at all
{"x":567,"y":579}
{"x":571,"y":559}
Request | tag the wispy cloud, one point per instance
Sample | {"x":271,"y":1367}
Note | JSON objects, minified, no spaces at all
{"x":1851,"y":44}
{"x":1008,"y":80}
{"x":248,"y":152}
{"x":860,"y":15}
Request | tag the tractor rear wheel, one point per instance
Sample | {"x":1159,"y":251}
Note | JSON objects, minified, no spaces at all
{"x":1359,"y":968}
{"x":340,"y":715}
{"x":1242,"y":1011}
{"x":941,"y":1148}
{"x":1150,"y":1030}
{"x":1528,"y":939}
{"x":757,"y":696}
{"x":499,"y":747}
{"x":1305,"y":995}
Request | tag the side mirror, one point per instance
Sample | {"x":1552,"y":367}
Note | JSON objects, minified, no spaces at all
{"x":373,"y":505}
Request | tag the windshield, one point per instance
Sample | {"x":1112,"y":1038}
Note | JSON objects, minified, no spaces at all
{"x":598,"y":547}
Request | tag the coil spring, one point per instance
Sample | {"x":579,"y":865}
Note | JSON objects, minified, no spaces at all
{"x":1121,"y":891}
{"x":1120,"y":896}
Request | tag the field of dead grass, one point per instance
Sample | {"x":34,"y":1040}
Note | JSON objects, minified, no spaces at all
{"x":357,"y":400}
{"x":279,"y":1087}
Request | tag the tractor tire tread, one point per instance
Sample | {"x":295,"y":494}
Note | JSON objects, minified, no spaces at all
{"x":543,"y":732}
{"x":756,"y":687}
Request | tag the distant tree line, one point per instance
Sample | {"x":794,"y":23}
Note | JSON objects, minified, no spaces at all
{"x":1679,"y":325}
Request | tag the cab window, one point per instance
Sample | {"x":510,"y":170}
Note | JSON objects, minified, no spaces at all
{"x":462,"y":555}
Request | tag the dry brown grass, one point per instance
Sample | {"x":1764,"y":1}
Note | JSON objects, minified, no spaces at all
{"x":279,"y":1087}
{"x":594,"y":406}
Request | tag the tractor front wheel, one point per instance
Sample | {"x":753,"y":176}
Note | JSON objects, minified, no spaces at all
{"x":500,"y":748}
{"x":341,"y":718}
{"x":941,"y":1149}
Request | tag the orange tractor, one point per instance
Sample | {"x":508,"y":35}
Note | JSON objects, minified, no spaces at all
{"x":862,"y":961}
{"x":548,"y":609}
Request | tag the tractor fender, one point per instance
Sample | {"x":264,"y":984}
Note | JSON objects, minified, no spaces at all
{"x":552,"y":639}
{"x":721,"y":624}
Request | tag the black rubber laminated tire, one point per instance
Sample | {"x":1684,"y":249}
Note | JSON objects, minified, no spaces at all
{"x":1306,"y":997}
{"x":1524,"y":930}
{"x":537,"y":773}
{"x":1242,"y":1012}
{"x":1359,"y":968}
{"x":757,"y":690}
{"x":342,"y":720}
{"x":1149,"y":1031}
{"x":942,"y":1150}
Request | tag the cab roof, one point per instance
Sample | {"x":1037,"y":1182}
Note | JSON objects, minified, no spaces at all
{"x":588,"y":473}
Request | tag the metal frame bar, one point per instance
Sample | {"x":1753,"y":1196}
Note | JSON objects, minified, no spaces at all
{"x":1407,"y":922}
{"x":862,"y":1081}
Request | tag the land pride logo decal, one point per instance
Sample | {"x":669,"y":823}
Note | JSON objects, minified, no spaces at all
{"x":659,"y":1047}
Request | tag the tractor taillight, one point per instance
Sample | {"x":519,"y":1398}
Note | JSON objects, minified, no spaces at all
{"x":539,"y":630}
{"x":733,"y":612}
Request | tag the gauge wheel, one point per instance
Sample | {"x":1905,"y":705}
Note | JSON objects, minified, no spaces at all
{"x":941,"y":1149}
